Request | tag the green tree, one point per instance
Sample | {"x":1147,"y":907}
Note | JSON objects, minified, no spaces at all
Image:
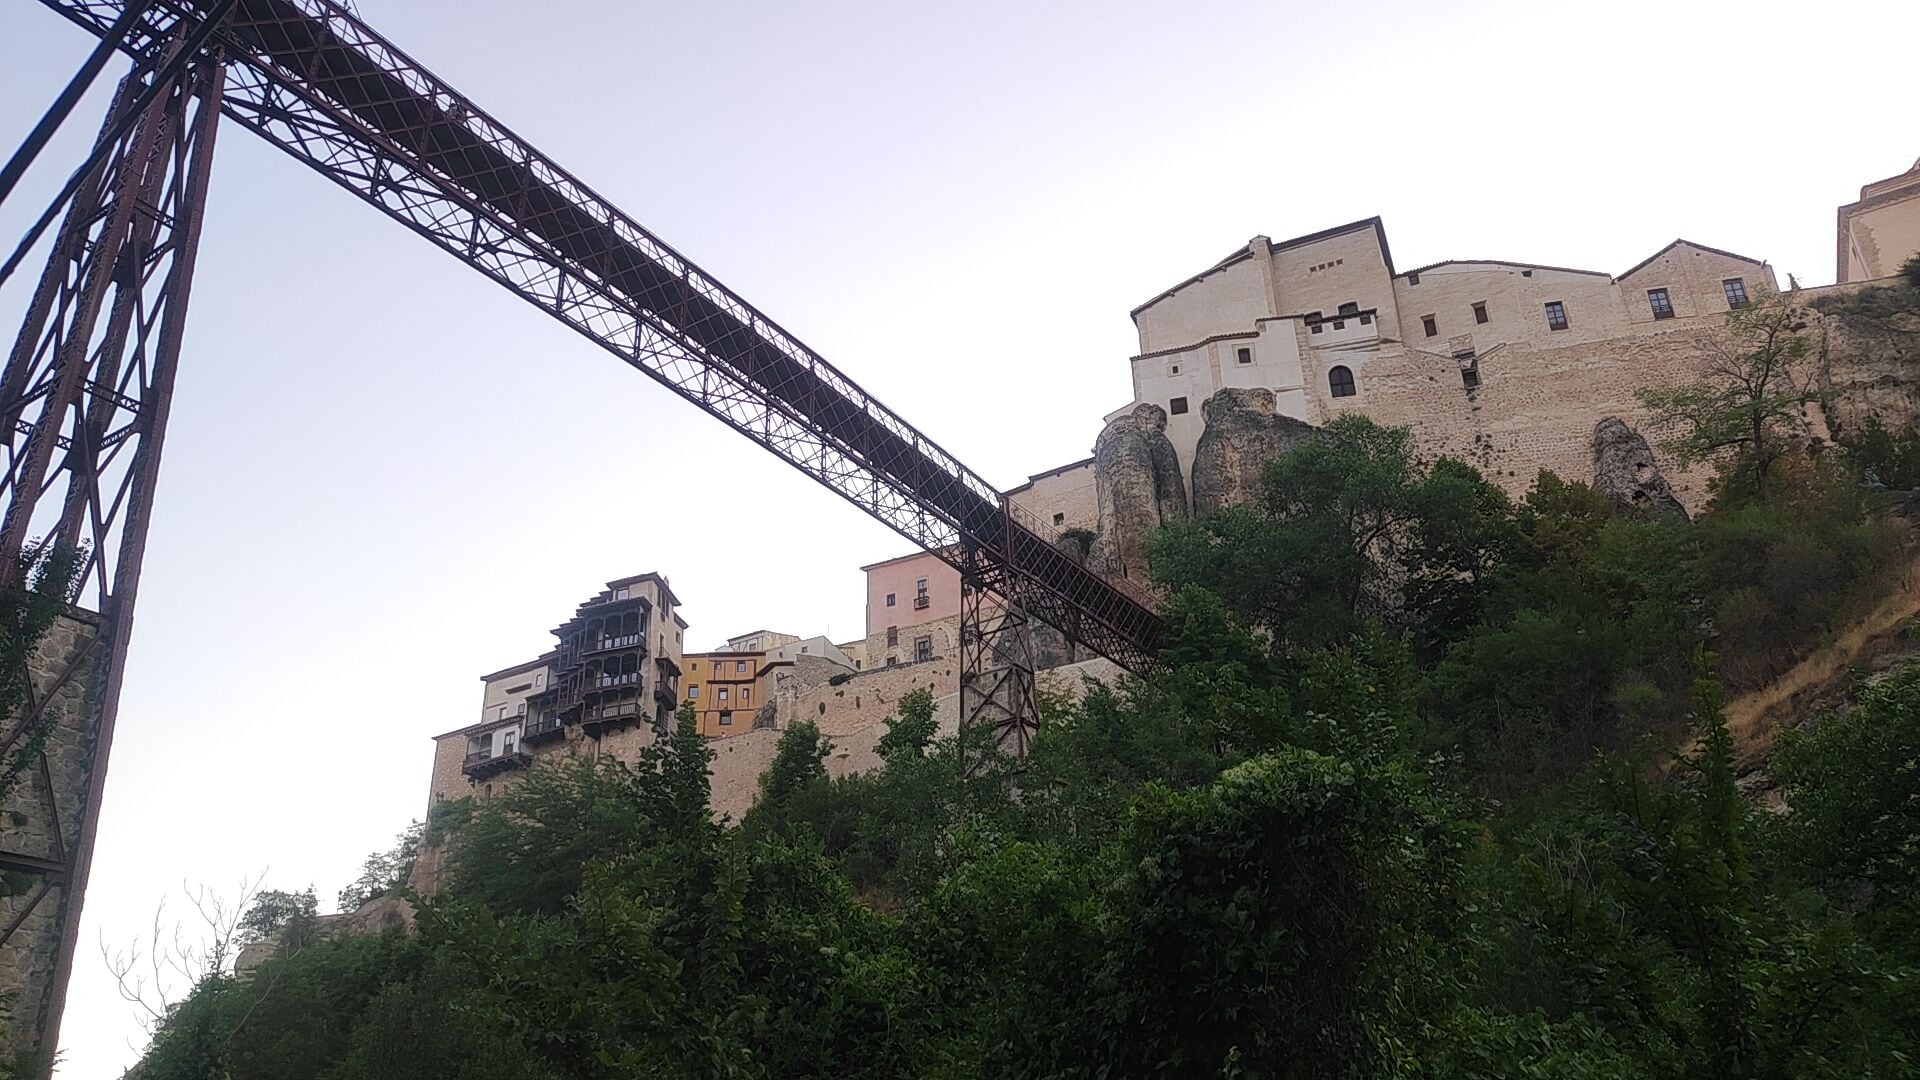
{"x":1852,"y":780}
{"x":384,"y":872}
{"x":42,"y":587}
{"x":1749,"y":407}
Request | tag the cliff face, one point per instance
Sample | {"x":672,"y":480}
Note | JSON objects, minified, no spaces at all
{"x":1242,"y":434}
{"x":1868,"y":343}
{"x":1137,"y":476}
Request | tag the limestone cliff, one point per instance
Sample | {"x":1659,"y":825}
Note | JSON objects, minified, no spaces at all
{"x":1868,"y":343}
{"x":1624,"y":471}
{"x":1138,"y":485}
{"x":1242,"y":434}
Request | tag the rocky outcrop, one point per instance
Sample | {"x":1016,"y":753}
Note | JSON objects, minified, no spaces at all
{"x":1137,"y":482}
{"x":1867,"y":339}
{"x":1242,"y":434}
{"x":1624,"y":471}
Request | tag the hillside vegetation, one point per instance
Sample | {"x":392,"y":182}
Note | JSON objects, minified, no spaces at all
{"x":1431,"y":782}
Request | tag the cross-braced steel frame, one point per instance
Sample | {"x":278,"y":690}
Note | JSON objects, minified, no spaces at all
{"x":314,"y":80}
{"x":84,"y":400}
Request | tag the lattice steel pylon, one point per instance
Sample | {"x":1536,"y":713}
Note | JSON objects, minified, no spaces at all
{"x":997,"y":661}
{"x":84,"y":400}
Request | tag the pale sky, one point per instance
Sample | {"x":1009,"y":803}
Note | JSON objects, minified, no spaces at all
{"x":385,"y":475}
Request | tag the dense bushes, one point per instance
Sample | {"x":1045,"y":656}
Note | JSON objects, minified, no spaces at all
{"x":1278,"y":857}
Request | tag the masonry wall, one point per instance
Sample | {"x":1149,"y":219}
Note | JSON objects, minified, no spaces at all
{"x":40,"y":819}
{"x":1066,"y":498}
{"x":1535,"y":408}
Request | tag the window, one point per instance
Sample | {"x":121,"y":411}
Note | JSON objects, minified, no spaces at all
{"x":889,"y":599}
{"x":1413,"y":278}
{"x":1556,"y":315}
{"x":1177,"y":406}
{"x":920,"y":586}
{"x":1173,"y":369}
{"x":1661,"y":303}
{"x":1430,"y":325}
{"x":1736,"y":290}
{"x":721,"y":695}
{"x":726,"y":718}
{"x":1059,"y":519}
{"x":1470,"y":378}
{"x":890,"y":662}
{"x":922,"y":649}
{"x":1340,"y":381}
{"x":1366,"y":318}
{"x":739,"y":666}
{"x":620,"y":594}
{"x":693,"y":693}
{"x":1313,"y":321}
{"x":1243,"y":355}
{"x":746,"y":694}
{"x":1350,"y":308}
{"x":1480,"y":312}
{"x":540,"y":679}
{"x":893,"y":635}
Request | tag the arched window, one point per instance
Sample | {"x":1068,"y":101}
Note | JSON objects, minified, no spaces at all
{"x":1340,"y":381}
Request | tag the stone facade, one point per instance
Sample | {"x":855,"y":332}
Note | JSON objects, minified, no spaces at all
{"x":40,"y":820}
{"x":1882,"y":230}
{"x":1506,"y":365}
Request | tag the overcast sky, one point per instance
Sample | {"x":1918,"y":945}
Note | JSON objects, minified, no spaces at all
{"x":385,"y":475}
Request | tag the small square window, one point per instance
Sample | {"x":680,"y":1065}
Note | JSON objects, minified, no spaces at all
{"x":1177,"y":406}
{"x":1736,"y":290}
{"x":739,"y":666}
{"x":889,"y":599}
{"x":1366,"y":319}
{"x":1174,"y":370}
{"x":1526,"y":273}
{"x":1243,"y":355}
{"x":726,"y":718}
{"x":693,"y":693}
{"x":722,"y":694}
{"x":1661,"y":303}
{"x":1413,"y":279}
{"x":1480,"y":312}
{"x":1556,"y":315}
{"x":1430,"y":325}
{"x":1470,"y":378}
{"x":1059,"y":519}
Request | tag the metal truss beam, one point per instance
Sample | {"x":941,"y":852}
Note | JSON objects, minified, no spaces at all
{"x":311,"y":78}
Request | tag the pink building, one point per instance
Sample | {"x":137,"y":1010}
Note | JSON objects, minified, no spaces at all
{"x":910,"y":590}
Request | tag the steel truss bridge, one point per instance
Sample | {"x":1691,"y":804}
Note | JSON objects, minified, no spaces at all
{"x":85,"y":392}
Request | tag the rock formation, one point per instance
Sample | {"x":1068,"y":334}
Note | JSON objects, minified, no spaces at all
{"x":1624,"y":471}
{"x":1137,"y":481}
{"x":1243,"y":433}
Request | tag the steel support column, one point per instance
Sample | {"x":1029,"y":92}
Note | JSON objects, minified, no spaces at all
{"x":996,"y":653}
{"x":84,"y":400}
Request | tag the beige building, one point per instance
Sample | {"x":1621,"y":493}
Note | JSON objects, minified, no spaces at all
{"x":612,"y":676}
{"x":1882,"y":230}
{"x":1495,"y":361}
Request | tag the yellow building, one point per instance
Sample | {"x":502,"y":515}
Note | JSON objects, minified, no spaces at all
{"x":727,"y":688}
